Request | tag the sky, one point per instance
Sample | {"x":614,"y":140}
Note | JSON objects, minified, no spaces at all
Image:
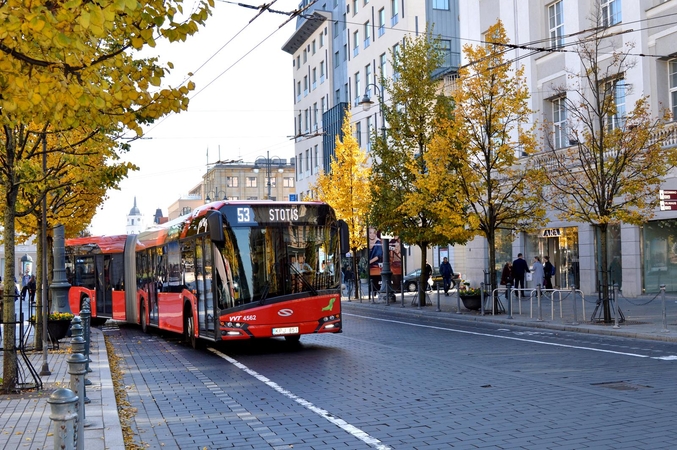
{"x":242,"y":106}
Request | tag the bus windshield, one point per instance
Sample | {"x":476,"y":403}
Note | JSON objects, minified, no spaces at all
{"x":264,"y":262}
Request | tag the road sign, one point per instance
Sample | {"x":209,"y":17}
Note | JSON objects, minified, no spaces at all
{"x":668,"y":205}
{"x":665,"y":194}
{"x":292,"y":197}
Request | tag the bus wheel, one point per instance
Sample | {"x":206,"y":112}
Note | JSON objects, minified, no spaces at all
{"x":189,"y":330}
{"x":144,"y":321}
{"x":293,"y":338}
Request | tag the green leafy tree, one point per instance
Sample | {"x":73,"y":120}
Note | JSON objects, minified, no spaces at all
{"x":482,"y":141}
{"x":409,"y":199}
{"x":67,"y":65}
{"x":346,"y":189}
{"x":613,"y":171}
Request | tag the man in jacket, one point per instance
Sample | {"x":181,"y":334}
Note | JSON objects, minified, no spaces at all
{"x":519,"y":269}
{"x":447,"y":273}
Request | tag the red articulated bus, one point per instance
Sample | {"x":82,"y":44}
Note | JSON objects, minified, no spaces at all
{"x":229,"y":270}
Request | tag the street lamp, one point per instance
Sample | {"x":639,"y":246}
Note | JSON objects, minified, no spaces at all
{"x":217,"y":194}
{"x":268,"y":163}
{"x":386,"y":274}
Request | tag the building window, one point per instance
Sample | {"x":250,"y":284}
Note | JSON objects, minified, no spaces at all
{"x":559,"y":118}
{"x":337,"y":60}
{"x":356,"y":4}
{"x":356,"y":43}
{"x":313,"y":45}
{"x":307,"y":120}
{"x":305,"y":56}
{"x":611,"y":12}
{"x":672,"y":68}
{"x":445,"y":47}
{"x":441,"y":4}
{"x":322,"y":38}
{"x":315,"y":116}
{"x":336,"y":29}
{"x":298,"y":62}
{"x":250,"y":182}
{"x":288,"y":182}
{"x":305,"y":85}
{"x":383,"y":60}
{"x":232,"y":181}
{"x":314,"y":78}
{"x":367,"y":34}
{"x":396,"y":54}
{"x":556,"y":20}
{"x":300,"y":160}
{"x":370,"y":129}
{"x":358,"y":88}
{"x":616,"y":89}
{"x":394,"y":7}
{"x":321,"y":72}
{"x":358,"y":133}
{"x":367,"y":75}
{"x":317,"y":158}
{"x":381,"y":21}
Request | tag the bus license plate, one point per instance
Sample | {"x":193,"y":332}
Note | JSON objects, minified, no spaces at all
{"x":286,"y":330}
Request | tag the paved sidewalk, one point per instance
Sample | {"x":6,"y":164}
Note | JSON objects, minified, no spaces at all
{"x":643,"y":315}
{"x":24,"y":417}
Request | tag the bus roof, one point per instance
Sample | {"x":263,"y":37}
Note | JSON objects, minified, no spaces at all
{"x":107,"y":244}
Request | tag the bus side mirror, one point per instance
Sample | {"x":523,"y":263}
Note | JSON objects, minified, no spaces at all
{"x":215,"y":224}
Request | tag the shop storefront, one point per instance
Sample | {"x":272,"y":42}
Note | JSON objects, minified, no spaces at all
{"x":561,"y":245}
{"x":659,"y":255}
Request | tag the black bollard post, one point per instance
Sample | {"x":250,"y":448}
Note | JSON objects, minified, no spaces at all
{"x":86,"y":315}
{"x":508,"y":296}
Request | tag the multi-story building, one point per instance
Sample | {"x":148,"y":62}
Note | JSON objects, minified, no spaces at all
{"x":269,"y":177}
{"x":641,"y":257}
{"x":340,"y":49}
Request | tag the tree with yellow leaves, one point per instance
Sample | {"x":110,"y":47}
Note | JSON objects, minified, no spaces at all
{"x":481,"y":144}
{"x":72,"y":64}
{"x":346,"y":189}
{"x":606,"y":164}
{"x":410,"y":197}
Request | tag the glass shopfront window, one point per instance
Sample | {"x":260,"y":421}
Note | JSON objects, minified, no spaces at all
{"x":561,"y":245}
{"x":659,"y":248}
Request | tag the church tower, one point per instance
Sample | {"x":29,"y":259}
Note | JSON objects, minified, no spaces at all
{"x":134,"y":220}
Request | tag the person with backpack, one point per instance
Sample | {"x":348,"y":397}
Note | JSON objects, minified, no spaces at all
{"x":549,"y":271}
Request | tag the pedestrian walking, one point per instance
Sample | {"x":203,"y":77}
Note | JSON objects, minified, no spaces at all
{"x":538,"y":272}
{"x":548,"y":272}
{"x":447,"y":272}
{"x":506,"y":274}
{"x":519,"y":269}
{"x":348,"y":279}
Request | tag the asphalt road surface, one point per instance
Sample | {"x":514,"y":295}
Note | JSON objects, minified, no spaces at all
{"x":396,"y":382}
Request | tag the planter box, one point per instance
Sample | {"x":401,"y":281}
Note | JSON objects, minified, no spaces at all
{"x":473,"y":302}
{"x":58,"y":329}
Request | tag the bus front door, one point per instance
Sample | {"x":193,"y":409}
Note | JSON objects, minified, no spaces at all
{"x":104,"y":294}
{"x":204,"y":269}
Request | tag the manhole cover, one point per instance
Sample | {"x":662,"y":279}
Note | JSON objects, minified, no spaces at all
{"x":620,"y":386}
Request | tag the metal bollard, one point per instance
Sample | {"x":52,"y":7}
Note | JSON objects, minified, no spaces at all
{"x":86,"y":315}
{"x":438,"y":297}
{"x":482,"y":298}
{"x":76,"y":369}
{"x":77,"y":331}
{"x":538,"y":298}
{"x":62,"y":403}
{"x":508,"y":295}
{"x":78,"y":346}
{"x":665,"y":314}
{"x":458,"y":297}
{"x":573,"y":296}
{"x":617,"y":310}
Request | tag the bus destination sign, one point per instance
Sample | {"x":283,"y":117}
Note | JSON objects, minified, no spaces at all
{"x":249,"y":215}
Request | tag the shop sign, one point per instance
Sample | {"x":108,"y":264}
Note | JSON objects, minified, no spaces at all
{"x":668,"y":205}
{"x":665,"y":194}
{"x":551,"y":232}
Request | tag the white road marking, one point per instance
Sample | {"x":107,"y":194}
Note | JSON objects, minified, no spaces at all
{"x":554,"y":344}
{"x":353,"y":430}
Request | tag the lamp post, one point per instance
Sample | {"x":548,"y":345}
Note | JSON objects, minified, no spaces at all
{"x":268,"y":163}
{"x":217,"y":195}
{"x":386,"y":274}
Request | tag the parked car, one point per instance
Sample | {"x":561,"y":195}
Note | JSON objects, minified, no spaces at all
{"x":411,"y":279}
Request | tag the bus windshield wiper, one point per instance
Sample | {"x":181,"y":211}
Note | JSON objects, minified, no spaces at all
{"x":304,"y":281}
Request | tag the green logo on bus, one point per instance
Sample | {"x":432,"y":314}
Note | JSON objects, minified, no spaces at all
{"x":330,"y":306}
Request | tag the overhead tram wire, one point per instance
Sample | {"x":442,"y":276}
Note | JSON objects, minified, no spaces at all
{"x":262,"y":8}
